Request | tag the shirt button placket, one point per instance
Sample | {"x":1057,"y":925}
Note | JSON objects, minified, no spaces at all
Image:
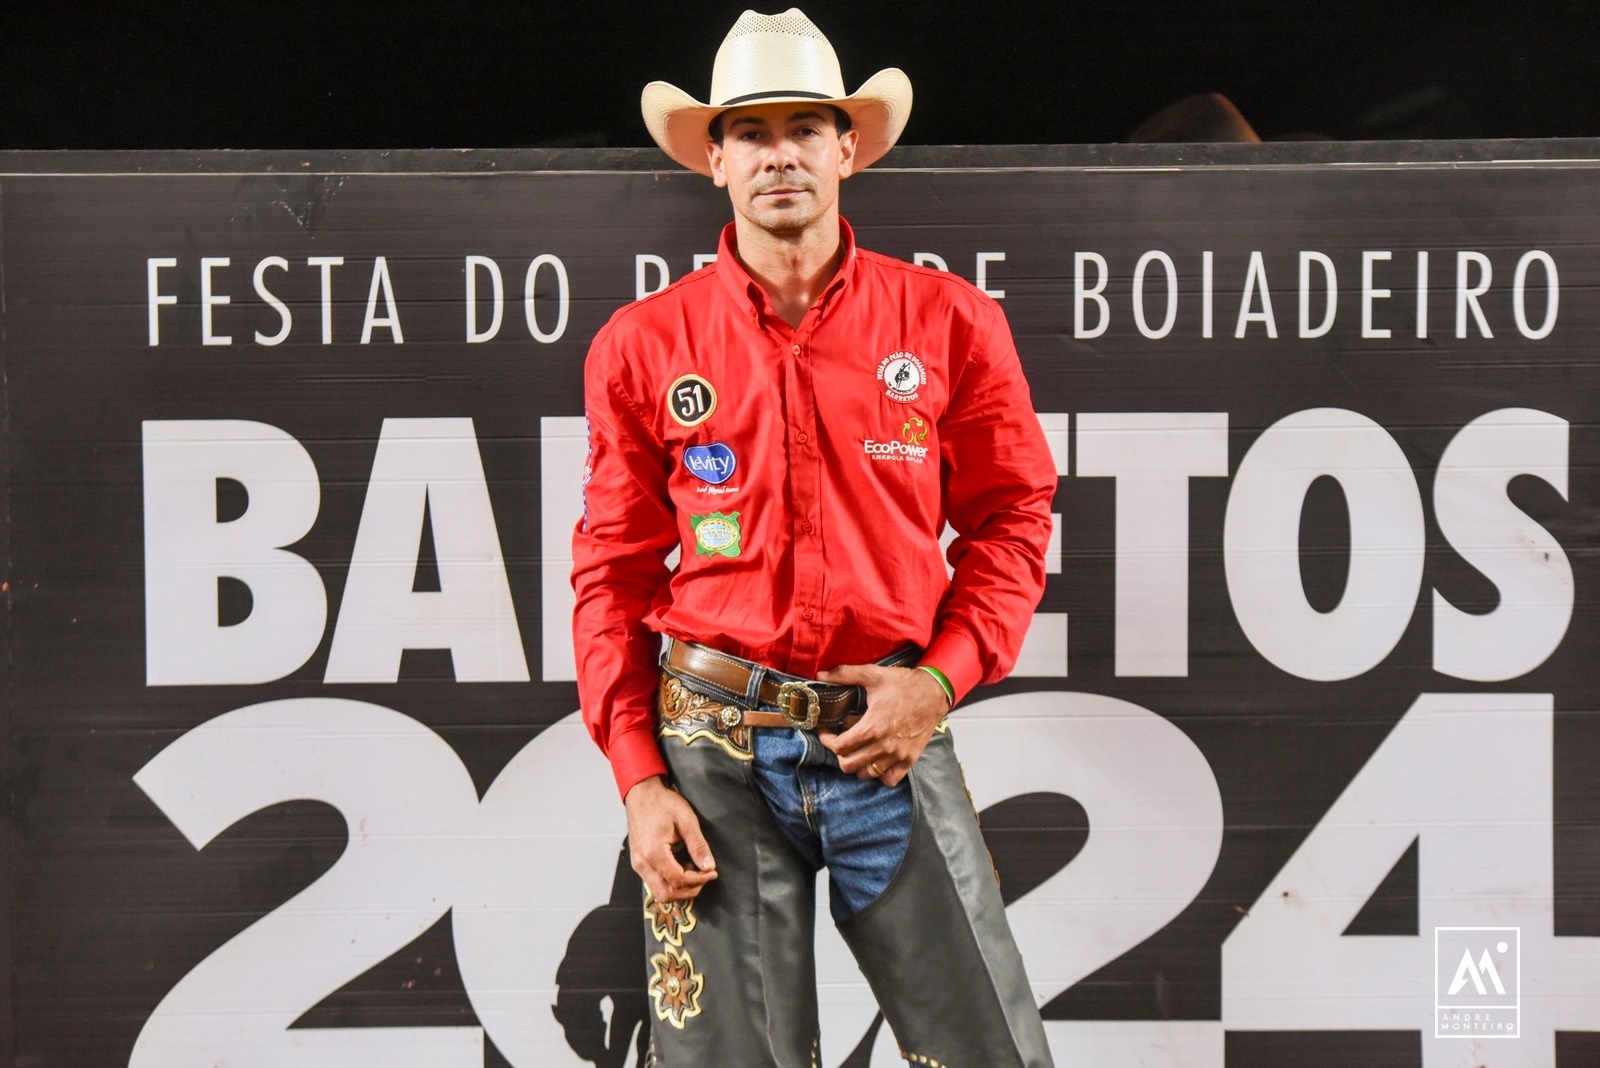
{"x":805,"y":475}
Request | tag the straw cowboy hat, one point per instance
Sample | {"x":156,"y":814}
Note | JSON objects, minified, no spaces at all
{"x":771,"y":59}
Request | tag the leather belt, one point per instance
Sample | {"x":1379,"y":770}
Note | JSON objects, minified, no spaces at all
{"x":804,"y":704}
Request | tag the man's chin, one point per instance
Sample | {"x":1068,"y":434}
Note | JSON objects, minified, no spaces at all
{"x":783,"y":223}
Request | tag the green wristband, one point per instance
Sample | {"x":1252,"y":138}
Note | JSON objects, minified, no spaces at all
{"x":943,"y":681}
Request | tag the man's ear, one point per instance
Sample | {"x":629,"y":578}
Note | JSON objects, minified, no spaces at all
{"x":847,"y":153}
{"x":719,"y":174}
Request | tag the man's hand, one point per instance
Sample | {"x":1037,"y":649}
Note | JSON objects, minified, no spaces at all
{"x":659,"y":819}
{"x":903,"y":707}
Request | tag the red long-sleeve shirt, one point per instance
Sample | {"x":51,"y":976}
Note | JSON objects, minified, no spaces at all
{"x":806,"y":475}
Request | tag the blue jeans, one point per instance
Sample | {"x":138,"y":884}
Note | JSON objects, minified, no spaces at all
{"x":858,"y":830}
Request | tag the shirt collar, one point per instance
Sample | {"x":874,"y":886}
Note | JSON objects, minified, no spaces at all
{"x":743,"y":288}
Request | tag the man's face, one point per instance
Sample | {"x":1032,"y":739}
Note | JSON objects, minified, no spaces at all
{"x":782,"y":164}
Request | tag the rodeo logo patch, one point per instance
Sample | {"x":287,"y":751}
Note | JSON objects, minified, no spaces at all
{"x":902,"y":375}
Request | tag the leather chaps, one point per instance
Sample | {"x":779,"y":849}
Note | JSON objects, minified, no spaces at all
{"x":732,"y":975}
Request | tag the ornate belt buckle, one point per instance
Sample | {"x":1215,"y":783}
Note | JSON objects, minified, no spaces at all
{"x":789,"y":695}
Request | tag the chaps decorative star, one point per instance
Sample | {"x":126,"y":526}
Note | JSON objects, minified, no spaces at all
{"x":669,"y":920}
{"x":675,"y":987}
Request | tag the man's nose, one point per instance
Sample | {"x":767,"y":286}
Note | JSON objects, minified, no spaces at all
{"x":782,"y":155}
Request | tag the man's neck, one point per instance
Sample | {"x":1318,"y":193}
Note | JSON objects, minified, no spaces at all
{"x":793,"y":271}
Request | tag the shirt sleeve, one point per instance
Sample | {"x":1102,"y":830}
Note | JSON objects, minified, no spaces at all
{"x":999,"y":482}
{"x":619,"y":552}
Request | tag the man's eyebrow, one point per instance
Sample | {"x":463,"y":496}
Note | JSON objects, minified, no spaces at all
{"x":799,"y":116}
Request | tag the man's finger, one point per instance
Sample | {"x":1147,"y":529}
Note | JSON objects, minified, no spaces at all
{"x":676,"y":882}
{"x":684,"y":827}
{"x":893,"y":776}
{"x":692,"y":878}
{"x":852,"y":674}
{"x":849,"y":752}
{"x":846,"y":742}
{"x":671,"y":894}
{"x":699,"y":849}
{"x":859,"y":761}
{"x":667,"y":864}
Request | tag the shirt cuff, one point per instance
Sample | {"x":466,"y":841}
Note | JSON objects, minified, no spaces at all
{"x":955,"y":654}
{"x":635,"y":756}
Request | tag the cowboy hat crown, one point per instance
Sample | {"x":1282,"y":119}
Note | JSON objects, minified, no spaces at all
{"x":773,"y":59}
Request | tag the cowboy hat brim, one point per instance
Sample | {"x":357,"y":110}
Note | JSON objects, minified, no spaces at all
{"x":681,"y":124}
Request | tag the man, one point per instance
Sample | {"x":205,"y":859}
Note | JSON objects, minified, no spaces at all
{"x":800,"y":419}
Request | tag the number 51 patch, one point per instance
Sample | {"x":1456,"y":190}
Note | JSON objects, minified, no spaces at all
{"x":691,"y":400}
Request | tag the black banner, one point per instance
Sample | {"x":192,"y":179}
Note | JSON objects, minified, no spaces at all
{"x":1298,"y":766}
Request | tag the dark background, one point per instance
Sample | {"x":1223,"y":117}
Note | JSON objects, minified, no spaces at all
{"x":112,"y":906}
{"x":364,"y":74}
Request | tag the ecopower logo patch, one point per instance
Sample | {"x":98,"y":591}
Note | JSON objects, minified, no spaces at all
{"x":909,"y":449}
{"x":1477,"y":982}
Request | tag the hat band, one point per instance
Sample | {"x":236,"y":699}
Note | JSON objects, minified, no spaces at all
{"x":767,"y":94}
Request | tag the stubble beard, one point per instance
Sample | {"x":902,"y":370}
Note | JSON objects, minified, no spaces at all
{"x":784,"y":221}
{"x":784,"y":224}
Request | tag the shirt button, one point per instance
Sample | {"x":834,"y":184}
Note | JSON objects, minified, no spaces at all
{"x":795,"y":350}
{"x":802,"y":437}
{"x":807,"y":614}
{"x":806,"y":526}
